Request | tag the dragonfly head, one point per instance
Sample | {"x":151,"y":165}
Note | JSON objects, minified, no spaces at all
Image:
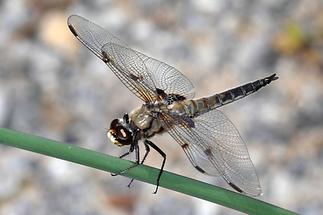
{"x":120,"y":132}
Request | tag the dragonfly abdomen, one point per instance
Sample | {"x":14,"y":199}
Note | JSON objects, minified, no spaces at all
{"x":202,"y":105}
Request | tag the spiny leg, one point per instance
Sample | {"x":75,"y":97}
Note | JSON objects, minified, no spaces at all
{"x":147,"y":152}
{"x":149,"y":143}
{"x":132,"y":147}
{"x":143,"y":160}
{"x":135,"y":147}
{"x":137,"y":161}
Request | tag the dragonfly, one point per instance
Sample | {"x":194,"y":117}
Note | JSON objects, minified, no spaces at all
{"x":209,"y":139}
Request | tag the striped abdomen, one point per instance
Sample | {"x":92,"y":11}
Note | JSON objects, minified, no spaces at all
{"x":202,"y":105}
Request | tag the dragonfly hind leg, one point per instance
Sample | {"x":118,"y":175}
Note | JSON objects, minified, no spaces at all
{"x":135,"y":147}
{"x":149,"y":143}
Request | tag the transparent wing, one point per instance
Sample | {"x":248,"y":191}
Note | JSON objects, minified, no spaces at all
{"x":214,"y":147}
{"x":95,"y":38}
{"x":130,"y":69}
{"x":140,"y":73}
{"x":168,"y":78}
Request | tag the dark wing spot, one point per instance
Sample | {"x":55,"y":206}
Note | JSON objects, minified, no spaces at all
{"x":72,"y":29}
{"x":208,"y":152}
{"x":105,"y":58}
{"x":135,"y":78}
{"x":235,"y":187}
{"x":184,"y":146}
{"x":200,"y":169}
{"x":161,"y":93}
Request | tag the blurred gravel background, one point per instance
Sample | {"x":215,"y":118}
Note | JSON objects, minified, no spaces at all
{"x":50,"y":85}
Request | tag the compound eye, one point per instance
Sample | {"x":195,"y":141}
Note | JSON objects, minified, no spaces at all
{"x":114,"y":124}
{"x":120,"y":134}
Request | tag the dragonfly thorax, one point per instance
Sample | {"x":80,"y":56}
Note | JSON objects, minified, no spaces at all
{"x":146,"y":120}
{"x":140,"y":123}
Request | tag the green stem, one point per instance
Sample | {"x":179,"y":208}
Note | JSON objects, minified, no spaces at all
{"x":142,"y":173}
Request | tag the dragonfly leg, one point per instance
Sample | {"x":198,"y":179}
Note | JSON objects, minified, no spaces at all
{"x":143,"y":159}
{"x":149,"y":143}
{"x":136,"y":149}
{"x":132,"y":147}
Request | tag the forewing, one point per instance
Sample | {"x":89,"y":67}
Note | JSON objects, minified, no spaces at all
{"x":125,"y":62}
{"x":91,"y":35}
{"x":168,"y":78}
{"x":128,"y":64}
{"x":130,"y":69}
{"x":214,"y":147}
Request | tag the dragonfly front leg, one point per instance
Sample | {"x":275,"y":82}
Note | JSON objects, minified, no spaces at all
{"x":132,"y":148}
{"x":143,"y":159}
